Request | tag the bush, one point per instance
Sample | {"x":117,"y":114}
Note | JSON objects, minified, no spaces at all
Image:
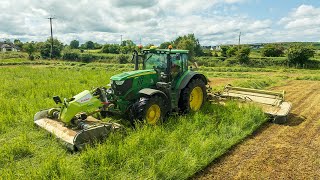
{"x":86,"y":58}
{"x":231,"y":61}
{"x":243,"y":55}
{"x":30,"y":48}
{"x":45,"y":49}
{"x":123,"y":59}
{"x":207,"y":52}
{"x":111,"y":48}
{"x":71,"y":56}
{"x":232,"y":51}
{"x":31,"y":57}
{"x":268,"y":61}
{"x":224,"y":51}
{"x":272,"y":50}
{"x":298,"y":54}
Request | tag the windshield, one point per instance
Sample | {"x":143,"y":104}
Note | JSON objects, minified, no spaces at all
{"x":156,"y":61}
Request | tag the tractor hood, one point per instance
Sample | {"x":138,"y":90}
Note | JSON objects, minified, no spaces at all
{"x":131,"y":74}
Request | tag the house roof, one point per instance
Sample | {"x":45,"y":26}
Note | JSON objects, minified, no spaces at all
{"x":7,"y":45}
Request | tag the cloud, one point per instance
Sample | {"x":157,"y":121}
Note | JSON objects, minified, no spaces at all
{"x":305,"y":16}
{"x":154,"y":21}
{"x":134,"y":3}
{"x":302,"y":23}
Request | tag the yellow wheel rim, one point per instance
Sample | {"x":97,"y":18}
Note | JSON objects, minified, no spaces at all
{"x":196,"y":98}
{"x":153,"y":114}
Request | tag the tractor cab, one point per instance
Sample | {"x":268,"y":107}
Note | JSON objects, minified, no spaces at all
{"x":168,"y":63}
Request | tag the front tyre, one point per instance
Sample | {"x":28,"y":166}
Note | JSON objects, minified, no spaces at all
{"x":151,"y":109}
{"x":193,"y":96}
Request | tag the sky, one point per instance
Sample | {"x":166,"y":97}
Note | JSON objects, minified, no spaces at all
{"x":214,"y":22}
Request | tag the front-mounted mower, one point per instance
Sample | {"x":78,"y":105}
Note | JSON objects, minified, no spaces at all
{"x":164,"y":84}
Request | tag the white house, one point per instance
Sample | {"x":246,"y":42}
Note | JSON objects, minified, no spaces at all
{"x":4,"y":47}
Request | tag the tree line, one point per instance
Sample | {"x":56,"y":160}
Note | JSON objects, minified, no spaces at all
{"x":296,"y":53}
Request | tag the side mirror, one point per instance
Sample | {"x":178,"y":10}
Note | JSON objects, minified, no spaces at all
{"x":57,"y":99}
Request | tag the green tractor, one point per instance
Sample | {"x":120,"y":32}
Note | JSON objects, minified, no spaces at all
{"x":163,"y":85}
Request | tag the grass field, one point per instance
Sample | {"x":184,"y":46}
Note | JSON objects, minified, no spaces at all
{"x":177,"y":149}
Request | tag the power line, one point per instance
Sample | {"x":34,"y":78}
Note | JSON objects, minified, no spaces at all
{"x":50,"y":19}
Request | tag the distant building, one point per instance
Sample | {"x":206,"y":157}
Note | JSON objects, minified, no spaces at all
{"x":206,"y":47}
{"x":256,"y":46}
{"x":5,"y":47}
{"x":217,"y":48}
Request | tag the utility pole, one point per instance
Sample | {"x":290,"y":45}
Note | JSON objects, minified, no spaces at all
{"x":140,"y":41}
{"x":121,"y":40}
{"x":239,"y":41}
{"x":50,"y":18}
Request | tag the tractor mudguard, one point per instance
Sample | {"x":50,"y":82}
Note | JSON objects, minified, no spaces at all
{"x":191,"y":74}
{"x":151,"y":92}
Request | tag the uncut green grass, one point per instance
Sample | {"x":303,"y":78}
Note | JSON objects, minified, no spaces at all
{"x":174,"y":150}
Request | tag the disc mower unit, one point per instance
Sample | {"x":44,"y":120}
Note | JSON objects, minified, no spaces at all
{"x":76,"y":138}
{"x":272,"y":103}
{"x":165,"y":84}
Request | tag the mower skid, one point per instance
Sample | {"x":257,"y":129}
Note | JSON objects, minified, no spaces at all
{"x":272,"y":103}
{"x":76,"y":139}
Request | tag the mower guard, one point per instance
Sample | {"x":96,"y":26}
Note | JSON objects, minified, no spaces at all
{"x":75,"y":139}
{"x":272,"y":103}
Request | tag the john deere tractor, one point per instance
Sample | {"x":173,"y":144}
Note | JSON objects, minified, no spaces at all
{"x":164,"y":84}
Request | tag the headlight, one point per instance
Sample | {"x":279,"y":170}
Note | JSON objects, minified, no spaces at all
{"x":119,"y":83}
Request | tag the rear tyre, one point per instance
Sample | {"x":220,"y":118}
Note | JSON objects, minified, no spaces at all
{"x":193,"y":96}
{"x":151,"y":109}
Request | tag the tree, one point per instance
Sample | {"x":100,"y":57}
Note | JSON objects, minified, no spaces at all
{"x":124,"y":49}
{"x":89,"y":45}
{"x":224,"y":51}
{"x":165,"y":45}
{"x":128,"y":43}
{"x":74,"y":44}
{"x":30,"y":48}
{"x":231,"y":51}
{"x":243,"y":54}
{"x":299,"y":54}
{"x":45,"y":49}
{"x":111,"y":48}
{"x":272,"y":50}
{"x":190,"y":43}
{"x":97,"y":46}
{"x":127,"y":46}
{"x":18,"y":43}
{"x":7,"y":41}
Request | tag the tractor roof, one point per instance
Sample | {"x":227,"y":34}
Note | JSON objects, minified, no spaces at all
{"x":173,"y":51}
